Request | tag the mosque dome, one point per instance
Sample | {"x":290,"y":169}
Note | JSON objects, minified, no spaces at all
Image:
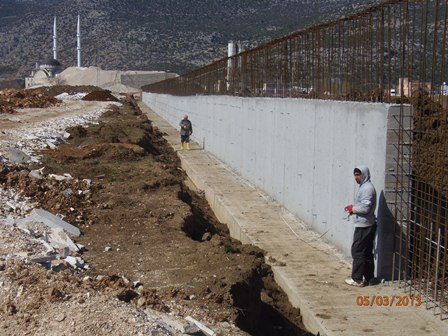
{"x":51,"y":62}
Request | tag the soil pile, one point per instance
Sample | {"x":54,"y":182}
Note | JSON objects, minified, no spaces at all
{"x":43,"y":97}
{"x":35,"y":301}
{"x":11,"y":99}
{"x":58,"y":89}
{"x":100,"y":95}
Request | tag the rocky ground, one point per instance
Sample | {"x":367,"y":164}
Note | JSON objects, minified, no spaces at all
{"x":151,"y":259}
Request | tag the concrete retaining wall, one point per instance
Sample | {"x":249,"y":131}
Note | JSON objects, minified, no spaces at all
{"x":301,"y":152}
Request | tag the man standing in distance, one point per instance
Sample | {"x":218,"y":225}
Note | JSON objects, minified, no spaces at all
{"x":365,"y":228}
{"x":186,"y":129}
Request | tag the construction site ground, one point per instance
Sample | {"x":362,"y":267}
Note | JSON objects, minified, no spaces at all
{"x":155,"y":250}
{"x":309,"y":270}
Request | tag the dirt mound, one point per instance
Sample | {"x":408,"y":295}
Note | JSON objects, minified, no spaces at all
{"x":119,"y":151}
{"x":69,"y":196}
{"x":58,"y":89}
{"x":116,"y":126}
{"x":36,"y":301}
{"x":12,"y":99}
{"x":100,"y":96}
{"x":77,"y":131}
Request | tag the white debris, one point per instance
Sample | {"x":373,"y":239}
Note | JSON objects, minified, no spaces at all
{"x":51,"y":220}
{"x":43,"y":259}
{"x":17,"y":156}
{"x":64,"y":252}
{"x":44,"y":134}
{"x":137,"y":284}
{"x":36,"y":174}
{"x":76,"y":262}
{"x":13,"y":204}
{"x":201,"y":326}
{"x":88,"y":183}
{"x":58,"y":238}
{"x":71,"y":96}
{"x":72,"y":261}
{"x":58,"y":177}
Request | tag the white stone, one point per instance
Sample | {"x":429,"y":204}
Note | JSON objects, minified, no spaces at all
{"x":57,"y":177}
{"x":64,"y":252}
{"x":19,"y":291}
{"x":201,"y":326}
{"x":11,"y":205}
{"x":43,"y":259}
{"x":50,"y":145}
{"x":58,"y":238}
{"x":72,"y":261}
{"x":52,"y":221}
{"x":35,"y":174}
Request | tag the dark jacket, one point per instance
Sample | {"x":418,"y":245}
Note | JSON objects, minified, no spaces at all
{"x":185,"y":127}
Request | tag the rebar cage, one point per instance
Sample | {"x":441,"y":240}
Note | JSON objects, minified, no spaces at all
{"x":393,"y":52}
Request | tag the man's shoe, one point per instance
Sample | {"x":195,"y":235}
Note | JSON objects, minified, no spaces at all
{"x":373,"y":282}
{"x":352,"y":282}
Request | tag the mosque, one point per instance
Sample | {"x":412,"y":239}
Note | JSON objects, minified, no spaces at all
{"x":51,"y":72}
{"x":46,"y":72}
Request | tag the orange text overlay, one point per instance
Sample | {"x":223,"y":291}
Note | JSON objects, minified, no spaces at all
{"x":389,"y":301}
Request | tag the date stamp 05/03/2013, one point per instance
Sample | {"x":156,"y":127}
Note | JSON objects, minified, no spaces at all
{"x":389,"y":300}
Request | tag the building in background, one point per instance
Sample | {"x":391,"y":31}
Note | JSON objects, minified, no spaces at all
{"x":407,"y":87}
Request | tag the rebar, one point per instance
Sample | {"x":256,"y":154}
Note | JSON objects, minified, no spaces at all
{"x":394,"y":52}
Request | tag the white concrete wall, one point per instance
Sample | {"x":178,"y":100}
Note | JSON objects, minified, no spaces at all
{"x":302,"y":152}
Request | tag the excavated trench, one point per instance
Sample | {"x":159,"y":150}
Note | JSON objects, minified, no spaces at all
{"x":159,"y":231}
{"x":273,"y":317}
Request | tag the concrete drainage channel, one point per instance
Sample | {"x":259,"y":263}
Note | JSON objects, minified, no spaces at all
{"x":263,"y":308}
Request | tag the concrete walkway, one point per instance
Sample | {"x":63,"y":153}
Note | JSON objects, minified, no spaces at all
{"x":310,"y":271}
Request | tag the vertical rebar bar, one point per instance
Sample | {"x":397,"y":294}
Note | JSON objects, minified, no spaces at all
{"x":437,"y":272}
{"x":429,"y":265}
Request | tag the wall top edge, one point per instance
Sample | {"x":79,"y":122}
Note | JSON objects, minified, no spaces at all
{"x":386,"y":105}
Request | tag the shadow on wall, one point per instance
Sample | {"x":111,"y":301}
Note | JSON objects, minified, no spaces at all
{"x":387,"y":226}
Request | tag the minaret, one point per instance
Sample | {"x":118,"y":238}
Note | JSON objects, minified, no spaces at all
{"x":55,"y":38}
{"x":78,"y":35}
{"x":231,"y":51}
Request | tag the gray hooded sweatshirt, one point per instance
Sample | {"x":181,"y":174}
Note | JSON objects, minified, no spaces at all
{"x":365,"y":202}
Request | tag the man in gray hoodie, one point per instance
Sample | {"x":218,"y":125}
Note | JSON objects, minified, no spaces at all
{"x":365,"y":228}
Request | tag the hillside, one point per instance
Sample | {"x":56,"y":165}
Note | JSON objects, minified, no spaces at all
{"x":150,"y":35}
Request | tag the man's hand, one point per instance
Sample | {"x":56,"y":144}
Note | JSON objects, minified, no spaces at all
{"x":349,"y":209}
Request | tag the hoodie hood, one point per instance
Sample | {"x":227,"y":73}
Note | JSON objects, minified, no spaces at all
{"x":365,"y":172}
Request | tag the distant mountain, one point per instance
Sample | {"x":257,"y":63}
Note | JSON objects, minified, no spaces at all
{"x":170,"y":35}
